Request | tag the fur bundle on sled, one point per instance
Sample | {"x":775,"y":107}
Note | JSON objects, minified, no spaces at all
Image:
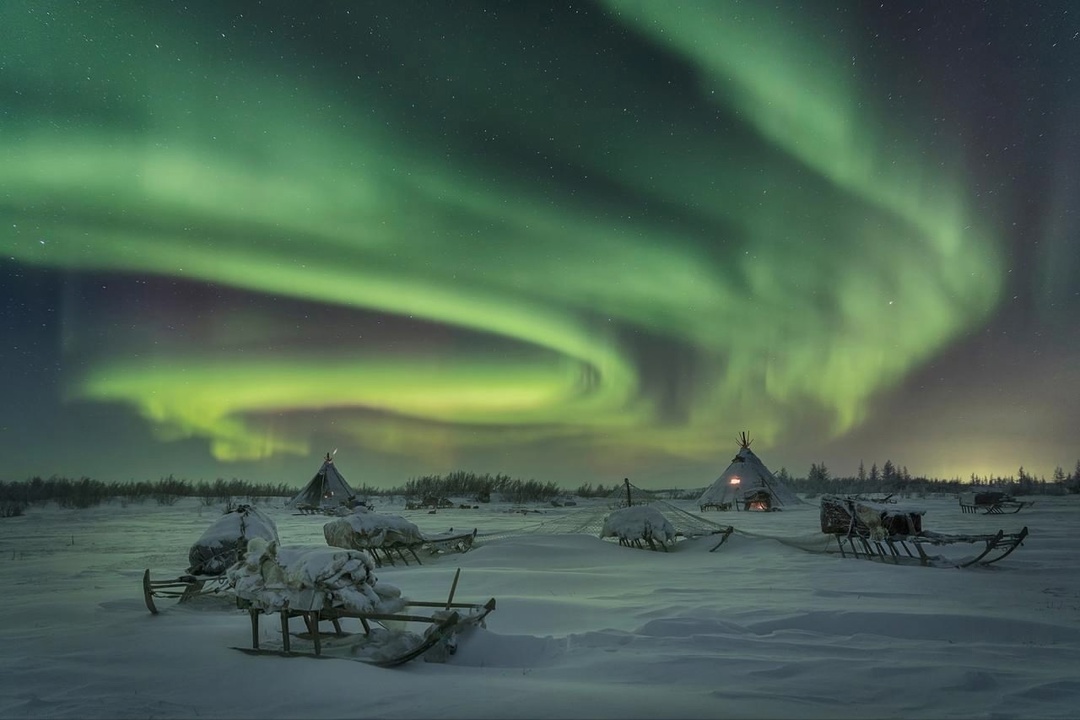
{"x":274,"y":577}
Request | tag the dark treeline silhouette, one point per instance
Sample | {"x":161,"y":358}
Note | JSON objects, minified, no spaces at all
{"x":896,"y":480}
{"x":477,"y":487}
{"x":892,"y":479}
{"x":87,"y":492}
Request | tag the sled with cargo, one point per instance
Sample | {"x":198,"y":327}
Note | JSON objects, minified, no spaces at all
{"x":875,"y":531}
{"x":991,"y":503}
{"x":323,"y":584}
{"x":381,"y":639}
{"x":391,"y":538}
{"x":212,"y":554}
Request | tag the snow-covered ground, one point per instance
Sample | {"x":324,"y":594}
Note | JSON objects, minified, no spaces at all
{"x":583,"y":629}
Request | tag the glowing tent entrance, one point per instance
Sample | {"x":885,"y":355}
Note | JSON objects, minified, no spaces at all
{"x":327,"y":490}
{"x":747,"y":485}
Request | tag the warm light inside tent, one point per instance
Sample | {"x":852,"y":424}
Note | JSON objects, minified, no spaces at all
{"x":735,"y":481}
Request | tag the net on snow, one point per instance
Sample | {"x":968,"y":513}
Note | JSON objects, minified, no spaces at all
{"x":590,"y":520}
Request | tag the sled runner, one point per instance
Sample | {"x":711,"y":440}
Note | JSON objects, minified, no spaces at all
{"x":212,"y":554}
{"x":378,"y":643}
{"x":991,"y":503}
{"x":183,"y":588}
{"x":873,"y":531}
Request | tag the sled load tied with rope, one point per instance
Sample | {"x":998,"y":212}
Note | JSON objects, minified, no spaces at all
{"x":875,"y":531}
{"x":212,"y":554}
{"x":991,"y":503}
{"x":384,"y":535}
{"x":327,"y":584}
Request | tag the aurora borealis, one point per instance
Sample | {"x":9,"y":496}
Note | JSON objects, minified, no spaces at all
{"x":574,"y":241}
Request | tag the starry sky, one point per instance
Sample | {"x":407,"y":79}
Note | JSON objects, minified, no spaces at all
{"x":571,"y":241}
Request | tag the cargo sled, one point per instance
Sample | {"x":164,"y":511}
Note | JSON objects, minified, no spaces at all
{"x":326,"y":584}
{"x":212,"y":554}
{"x":385,"y":536}
{"x":991,"y":503}
{"x":875,"y":531}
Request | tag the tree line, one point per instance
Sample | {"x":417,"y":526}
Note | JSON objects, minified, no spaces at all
{"x":890,"y":478}
{"x":894,"y":479}
{"x":86,"y":492}
{"x":478,"y":487}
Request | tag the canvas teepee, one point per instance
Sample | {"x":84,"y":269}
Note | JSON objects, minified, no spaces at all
{"x":327,"y":489}
{"x":747,"y":484}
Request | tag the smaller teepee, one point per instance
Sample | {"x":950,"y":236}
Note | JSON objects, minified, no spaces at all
{"x":747,"y":484}
{"x":327,"y":490}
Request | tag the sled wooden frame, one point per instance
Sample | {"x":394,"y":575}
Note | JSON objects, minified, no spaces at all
{"x":1004,"y":506}
{"x":183,"y":588}
{"x":658,"y":544}
{"x":897,"y":548}
{"x":441,"y":631}
{"x":896,"y":536}
{"x":433,"y":544}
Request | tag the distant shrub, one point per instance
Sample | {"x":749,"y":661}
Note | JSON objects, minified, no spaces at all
{"x":11,"y":508}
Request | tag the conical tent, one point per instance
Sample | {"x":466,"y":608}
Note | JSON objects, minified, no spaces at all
{"x":327,"y":489}
{"x":747,"y":484}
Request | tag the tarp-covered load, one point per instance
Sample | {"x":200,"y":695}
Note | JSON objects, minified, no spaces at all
{"x":364,"y":529}
{"x":637,"y":524}
{"x":273,"y":578}
{"x":374,"y":532}
{"x":221,"y":545}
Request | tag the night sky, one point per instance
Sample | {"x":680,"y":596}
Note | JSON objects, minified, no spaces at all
{"x":573,"y":242}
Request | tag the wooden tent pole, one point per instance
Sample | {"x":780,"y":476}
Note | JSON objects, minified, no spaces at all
{"x":629,"y":500}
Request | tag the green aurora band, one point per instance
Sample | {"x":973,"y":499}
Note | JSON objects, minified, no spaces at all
{"x":802,"y":272}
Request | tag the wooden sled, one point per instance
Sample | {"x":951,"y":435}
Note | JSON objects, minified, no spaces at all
{"x":183,"y":588}
{"x":449,"y":542}
{"x":431,"y":544}
{"x":444,"y":621}
{"x":873,"y":532}
{"x":991,"y":503}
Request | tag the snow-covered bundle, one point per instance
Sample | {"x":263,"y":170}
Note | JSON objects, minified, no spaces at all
{"x":364,"y":530}
{"x":314,"y":577}
{"x":220,"y":546}
{"x":638,"y":522}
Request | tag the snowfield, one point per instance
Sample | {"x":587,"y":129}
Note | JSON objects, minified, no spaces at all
{"x":584,"y":628}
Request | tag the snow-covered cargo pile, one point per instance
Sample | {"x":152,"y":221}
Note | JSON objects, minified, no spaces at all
{"x":221,"y":545}
{"x":272,"y":577}
{"x":638,"y":523}
{"x":366,"y":530}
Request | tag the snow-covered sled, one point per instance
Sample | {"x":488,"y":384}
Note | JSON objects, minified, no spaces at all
{"x":212,"y":554}
{"x":991,"y":503}
{"x":876,"y":531}
{"x":639,"y":525}
{"x":384,"y":535}
{"x":327,"y":584}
